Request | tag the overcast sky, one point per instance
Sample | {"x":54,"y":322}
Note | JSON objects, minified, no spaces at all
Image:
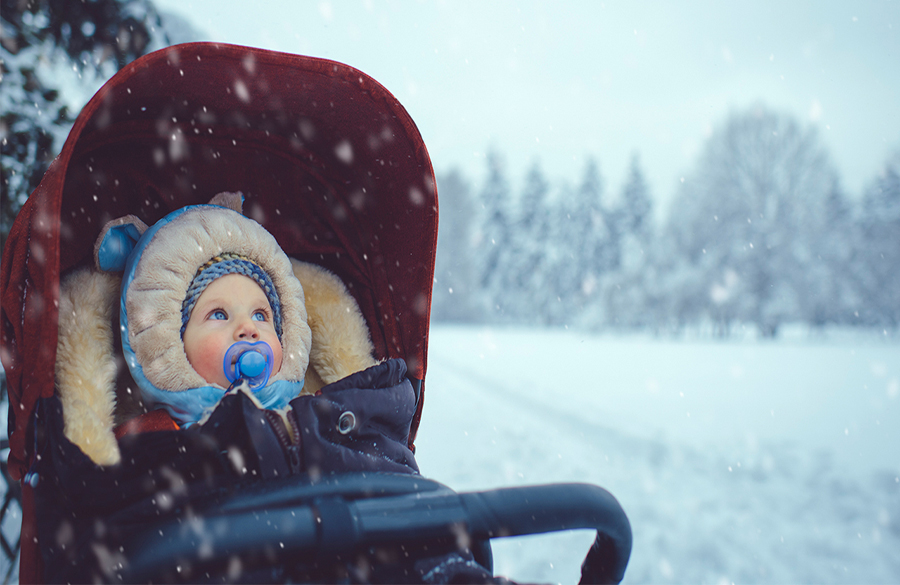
{"x":560,"y":81}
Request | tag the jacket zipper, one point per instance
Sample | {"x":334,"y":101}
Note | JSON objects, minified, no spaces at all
{"x":288,"y":435}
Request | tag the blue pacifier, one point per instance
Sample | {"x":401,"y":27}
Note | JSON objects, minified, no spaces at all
{"x":251,"y":361}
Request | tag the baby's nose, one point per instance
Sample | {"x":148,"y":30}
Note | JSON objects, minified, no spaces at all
{"x":246,"y":330}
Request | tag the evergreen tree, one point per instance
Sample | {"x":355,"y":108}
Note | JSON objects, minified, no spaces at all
{"x":533,"y":260}
{"x":455,"y":285}
{"x":626,"y":291}
{"x":495,"y":239}
{"x":635,"y":225}
{"x":55,"y":54}
{"x":562,"y":278}
{"x":589,"y":242}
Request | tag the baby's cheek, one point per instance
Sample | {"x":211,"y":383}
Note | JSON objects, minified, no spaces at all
{"x":207,"y":361}
{"x":278,"y":357}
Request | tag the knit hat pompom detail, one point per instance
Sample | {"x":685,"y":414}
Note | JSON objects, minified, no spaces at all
{"x":222,"y":265}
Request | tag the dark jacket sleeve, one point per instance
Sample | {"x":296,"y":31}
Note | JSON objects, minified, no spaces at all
{"x":360,"y":423}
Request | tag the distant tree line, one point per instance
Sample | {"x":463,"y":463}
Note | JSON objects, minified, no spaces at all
{"x":759,"y":234}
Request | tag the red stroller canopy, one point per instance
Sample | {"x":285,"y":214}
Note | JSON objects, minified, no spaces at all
{"x":328,"y":161}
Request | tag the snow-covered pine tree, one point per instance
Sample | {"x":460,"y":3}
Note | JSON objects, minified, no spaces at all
{"x":558,"y":272}
{"x":636,"y":206}
{"x":533,"y":261}
{"x":55,"y":54}
{"x":456,"y":282}
{"x":495,"y":240}
{"x":625,"y":290}
{"x":590,"y":244}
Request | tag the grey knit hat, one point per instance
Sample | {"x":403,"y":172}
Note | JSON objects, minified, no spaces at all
{"x":222,"y":265}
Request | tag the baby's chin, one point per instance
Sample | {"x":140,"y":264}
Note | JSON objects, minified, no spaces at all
{"x":215,"y":380}
{"x":223,"y":383}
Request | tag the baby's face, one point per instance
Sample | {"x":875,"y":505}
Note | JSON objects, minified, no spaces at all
{"x":232,"y":308}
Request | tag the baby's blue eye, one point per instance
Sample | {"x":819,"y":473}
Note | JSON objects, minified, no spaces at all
{"x":259,"y":316}
{"x":219,"y":315}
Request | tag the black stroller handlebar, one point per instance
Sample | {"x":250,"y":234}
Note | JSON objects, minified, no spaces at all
{"x":329,"y":524}
{"x":550,"y":508}
{"x":507,"y":512}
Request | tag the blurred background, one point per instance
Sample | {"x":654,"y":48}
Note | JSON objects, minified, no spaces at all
{"x":661,"y":176}
{"x":650,"y":165}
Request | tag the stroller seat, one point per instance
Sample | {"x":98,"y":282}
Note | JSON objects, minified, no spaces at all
{"x":335,"y":169}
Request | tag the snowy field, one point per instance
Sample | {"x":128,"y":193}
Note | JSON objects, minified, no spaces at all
{"x":737,"y":461}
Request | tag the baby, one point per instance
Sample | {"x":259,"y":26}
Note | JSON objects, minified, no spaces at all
{"x":197,"y":282}
{"x":207,"y":300}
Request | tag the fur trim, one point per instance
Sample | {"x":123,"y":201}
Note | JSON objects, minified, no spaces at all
{"x":85,"y":362}
{"x":165,"y":270}
{"x":341,"y":342}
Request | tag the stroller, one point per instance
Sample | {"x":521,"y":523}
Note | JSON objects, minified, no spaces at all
{"x":334,"y":167}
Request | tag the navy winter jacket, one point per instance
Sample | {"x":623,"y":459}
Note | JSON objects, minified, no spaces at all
{"x":84,"y":511}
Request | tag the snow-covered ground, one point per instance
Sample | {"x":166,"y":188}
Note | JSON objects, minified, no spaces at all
{"x":743,"y":462}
